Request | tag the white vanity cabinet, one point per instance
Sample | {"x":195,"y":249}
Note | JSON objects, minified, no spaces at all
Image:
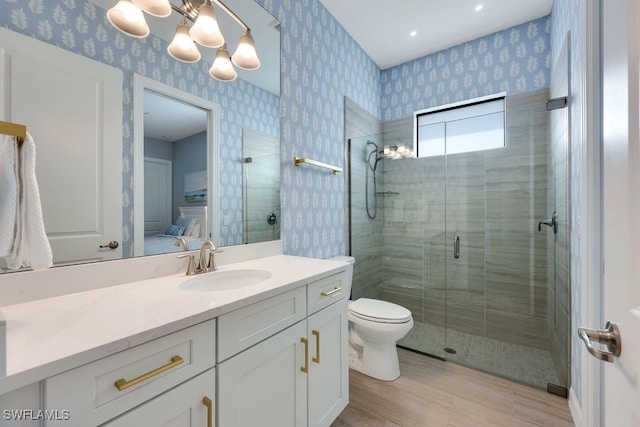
{"x":190,"y":404}
{"x":100,"y":391}
{"x":298,"y":374}
{"x":328,"y":384}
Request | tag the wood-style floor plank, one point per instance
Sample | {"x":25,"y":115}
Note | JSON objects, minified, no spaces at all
{"x":433,"y":393}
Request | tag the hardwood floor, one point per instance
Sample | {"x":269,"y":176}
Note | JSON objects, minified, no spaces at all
{"x":432,"y":393}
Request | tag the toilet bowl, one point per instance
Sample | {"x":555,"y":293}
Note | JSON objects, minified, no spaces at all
{"x":374,"y":328}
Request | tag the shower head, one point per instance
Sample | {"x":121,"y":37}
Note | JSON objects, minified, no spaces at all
{"x":398,"y":151}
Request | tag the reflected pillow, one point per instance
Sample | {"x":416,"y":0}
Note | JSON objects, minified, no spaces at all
{"x":174,"y":230}
{"x":187,"y":223}
{"x":196,"y":230}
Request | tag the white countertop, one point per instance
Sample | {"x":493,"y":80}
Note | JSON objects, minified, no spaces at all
{"x":49,"y":336}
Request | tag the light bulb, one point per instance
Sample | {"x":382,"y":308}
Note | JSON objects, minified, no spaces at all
{"x":205,"y":30}
{"x":222,"y":69}
{"x":182,"y":47}
{"x":245,"y":55}
{"x":159,"y":8}
{"x":128,"y":18}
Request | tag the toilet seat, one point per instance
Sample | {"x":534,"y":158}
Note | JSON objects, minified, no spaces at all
{"x":379,"y":311}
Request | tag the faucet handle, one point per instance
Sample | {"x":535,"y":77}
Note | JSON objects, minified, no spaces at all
{"x":191,"y":268}
{"x":211,"y":264}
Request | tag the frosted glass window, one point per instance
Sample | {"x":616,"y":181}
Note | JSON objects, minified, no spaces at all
{"x":475,"y":134}
{"x":459,"y":128}
{"x":431,"y":140}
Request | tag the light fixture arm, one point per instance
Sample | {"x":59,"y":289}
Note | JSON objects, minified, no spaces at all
{"x":188,"y":14}
{"x":232,"y":14}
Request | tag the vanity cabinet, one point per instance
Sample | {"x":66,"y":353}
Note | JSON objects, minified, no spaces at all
{"x":328,"y":383}
{"x":100,"y":391}
{"x":297,"y":376}
{"x":277,"y":361}
{"x":187,"y":405}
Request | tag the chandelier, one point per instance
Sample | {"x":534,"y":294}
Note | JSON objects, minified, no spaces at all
{"x":128,"y":17}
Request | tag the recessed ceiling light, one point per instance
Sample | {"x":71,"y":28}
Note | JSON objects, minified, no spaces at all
{"x":479,"y":7}
{"x":413,"y":33}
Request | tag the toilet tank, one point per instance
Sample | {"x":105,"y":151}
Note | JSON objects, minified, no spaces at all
{"x":351,"y":261}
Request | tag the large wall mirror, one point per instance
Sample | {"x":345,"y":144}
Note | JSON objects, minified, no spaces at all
{"x":181,"y":145}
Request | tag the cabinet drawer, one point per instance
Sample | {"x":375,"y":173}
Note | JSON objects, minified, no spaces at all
{"x":325,"y":292}
{"x":180,"y":406}
{"x":90,"y":393}
{"x":242,"y":328}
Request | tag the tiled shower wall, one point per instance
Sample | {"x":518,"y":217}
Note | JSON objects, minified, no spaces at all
{"x":365,"y":235}
{"x":261,"y":186}
{"x":493,"y":200}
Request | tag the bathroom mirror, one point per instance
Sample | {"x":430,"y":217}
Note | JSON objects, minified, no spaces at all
{"x":249,"y":104}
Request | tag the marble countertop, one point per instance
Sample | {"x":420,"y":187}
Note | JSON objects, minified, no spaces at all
{"x":49,"y":336}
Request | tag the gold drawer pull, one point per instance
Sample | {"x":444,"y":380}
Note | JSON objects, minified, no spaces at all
{"x":317,"y":335}
{"x":123,"y":384}
{"x":334,"y":291}
{"x":209,"y":404}
{"x":305,"y":368}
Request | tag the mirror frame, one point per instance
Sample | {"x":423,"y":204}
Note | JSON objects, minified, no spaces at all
{"x":140,"y":84}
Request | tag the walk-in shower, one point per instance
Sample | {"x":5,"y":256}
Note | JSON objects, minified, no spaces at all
{"x":455,"y":239}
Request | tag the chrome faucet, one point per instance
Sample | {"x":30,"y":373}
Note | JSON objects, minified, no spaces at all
{"x":181,"y":242}
{"x":207,"y":265}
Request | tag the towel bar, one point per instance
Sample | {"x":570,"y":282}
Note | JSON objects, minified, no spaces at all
{"x":300,"y":160}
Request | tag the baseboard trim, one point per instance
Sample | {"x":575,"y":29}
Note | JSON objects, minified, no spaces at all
{"x":576,"y":409}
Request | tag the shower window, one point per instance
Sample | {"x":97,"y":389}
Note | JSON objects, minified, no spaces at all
{"x":460,"y":128}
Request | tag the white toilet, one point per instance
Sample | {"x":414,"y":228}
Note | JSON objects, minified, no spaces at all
{"x":374,"y":328}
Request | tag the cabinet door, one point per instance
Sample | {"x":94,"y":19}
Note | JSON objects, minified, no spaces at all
{"x":182,"y":406}
{"x":329,"y":368}
{"x":264,"y":385}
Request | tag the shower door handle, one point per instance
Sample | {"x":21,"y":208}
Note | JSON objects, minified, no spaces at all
{"x":551,"y":222}
{"x":456,"y":247}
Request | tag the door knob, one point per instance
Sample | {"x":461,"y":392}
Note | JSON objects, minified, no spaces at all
{"x":111,"y":245}
{"x":610,"y":336}
{"x":551,"y":222}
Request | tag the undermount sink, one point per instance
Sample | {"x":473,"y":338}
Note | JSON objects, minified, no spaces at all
{"x":217,"y":281}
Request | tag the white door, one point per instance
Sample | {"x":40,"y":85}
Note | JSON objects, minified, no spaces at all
{"x":621,"y":206}
{"x":72,"y":107}
{"x":157,"y":195}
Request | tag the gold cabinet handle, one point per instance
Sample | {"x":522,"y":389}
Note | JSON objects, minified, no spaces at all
{"x":305,"y":368}
{"x":209,"y":404}
{"x":317,"y":335}
{"x":123,"y":384}
{"x":331,"y":292}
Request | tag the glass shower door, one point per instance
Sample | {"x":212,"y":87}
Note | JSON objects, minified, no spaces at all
{"x":497,"y":282}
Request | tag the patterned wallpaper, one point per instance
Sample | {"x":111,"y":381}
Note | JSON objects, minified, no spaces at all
{"x":82,"y":27}
{"x":565,"y":17}
{"x":321,"y":64}
{"x":515,"y":60}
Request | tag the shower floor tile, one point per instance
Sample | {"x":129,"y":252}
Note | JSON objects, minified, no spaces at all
{"x":518,"y":362}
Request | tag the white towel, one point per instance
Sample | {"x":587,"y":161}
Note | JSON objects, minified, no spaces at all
{"x":23,"y":240}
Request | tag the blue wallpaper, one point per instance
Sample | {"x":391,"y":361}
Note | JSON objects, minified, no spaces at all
{"x":321,"y":64}
{"x":82,"y":27}
{"x":515,"y":60}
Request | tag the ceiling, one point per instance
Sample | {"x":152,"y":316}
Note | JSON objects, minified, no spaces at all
{"x":166,"y":119}
{"x":382,"y":28}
